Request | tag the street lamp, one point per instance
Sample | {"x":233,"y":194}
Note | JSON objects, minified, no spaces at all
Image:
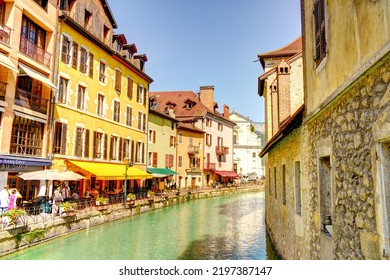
{"x":128,"y":164}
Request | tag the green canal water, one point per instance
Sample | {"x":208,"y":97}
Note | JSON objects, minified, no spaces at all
{"x":220,"y":228}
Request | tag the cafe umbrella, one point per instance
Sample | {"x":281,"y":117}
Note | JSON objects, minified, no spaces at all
{"x":51,"y":175}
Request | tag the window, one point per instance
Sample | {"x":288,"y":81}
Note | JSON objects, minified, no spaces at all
{"x":114,"y":148}
{"x":118,"y":80}
{"x":117,"y":111}
{"x":325,"y":182}
{"x":235,"y":138}
{"x":102,"y":72}
{"x":141,"y":121}
{"x":78,"y":149}
{"x":129,"y":115}
{"x":87,"y":20}
{"x":169,"y":161}
{"x":106,"y":33}
{"x":298,"y":187}
{"x":180,"y":138}
{"x":254,"y":155}
{"x":220,"y":126}
{"x":91,"y":57}
{"x":80,"y":98}
{"x":140,"y":94}
{"x":75,"y":50}
{"x":65,"y":54}
{"x":275,"y":186}
{"x":180,"y":161}
{"x":284,"y":200}
{"x":59,"y":144}
{"x":220,"y":141}
{"x":209,"y":122}
{"x":319,"y":30}
{"x":100,"y":106}
{"x":26,"y":137}
{"x":83,"y":60}
{"x":99,"y":145}
{"x":208,"y":139}
{"x":152,"y":136}
{"x":126,"y":148}
{"x":171,"y":141}
{"x":42,"y":3}
{"x":62,"y":90}
{"x":129,"y":88}
{"x":33,"y":41}
{"x":139,"y":152}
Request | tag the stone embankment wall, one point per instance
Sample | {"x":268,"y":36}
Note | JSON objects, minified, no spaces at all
{"x":15,"y":239}
{"x":349,"y":131}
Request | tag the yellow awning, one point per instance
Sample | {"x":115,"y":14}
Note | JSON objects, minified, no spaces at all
{"x":111,"y":171}
{"x":25,"y":70}
{"x":5,"y":61}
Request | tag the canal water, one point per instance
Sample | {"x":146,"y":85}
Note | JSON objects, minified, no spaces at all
{"x":219,"y":228}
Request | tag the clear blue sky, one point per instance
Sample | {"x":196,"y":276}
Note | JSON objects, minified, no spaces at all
{"x":193,"y":43}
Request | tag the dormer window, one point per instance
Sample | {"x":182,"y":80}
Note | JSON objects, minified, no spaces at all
{"x":189,"y":104}
{"x":87,"y":20}
{"x":106,"y":32}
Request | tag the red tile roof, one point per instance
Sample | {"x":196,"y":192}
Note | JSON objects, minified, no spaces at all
{"x":287,"y":51}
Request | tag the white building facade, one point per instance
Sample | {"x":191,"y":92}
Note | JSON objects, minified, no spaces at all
{"x":248,"y":140}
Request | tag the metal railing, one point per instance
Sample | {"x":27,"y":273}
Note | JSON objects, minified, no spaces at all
{"x":5,"y":34}
{"x":32,"y":50}
{"x":28,"y":100}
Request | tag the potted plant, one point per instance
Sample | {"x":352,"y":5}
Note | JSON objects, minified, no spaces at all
{"x":130,"y":197}
{"x":101,"y":200}
{"x":150,"y":193}
{"x":68,"y":206}
{"x":13,"y":215}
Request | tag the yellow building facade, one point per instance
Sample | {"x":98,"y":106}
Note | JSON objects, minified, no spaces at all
{"x":100,"y":113}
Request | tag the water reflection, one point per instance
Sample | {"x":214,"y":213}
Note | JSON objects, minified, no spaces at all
{"x":230,"y":227}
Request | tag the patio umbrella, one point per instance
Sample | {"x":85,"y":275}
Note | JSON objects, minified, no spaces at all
{"x":50,"y":174}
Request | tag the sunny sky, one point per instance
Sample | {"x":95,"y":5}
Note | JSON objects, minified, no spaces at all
{"x":193,"y":43}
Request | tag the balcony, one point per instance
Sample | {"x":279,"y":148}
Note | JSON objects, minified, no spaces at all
{"x":33,"y":51}
{"x":3,"y":90}
{"x":193,"y":149}
{"x":33,"y":102}
{"x":5,"y":34}
{"x":222,"y":150}
{"x":209,"y":166}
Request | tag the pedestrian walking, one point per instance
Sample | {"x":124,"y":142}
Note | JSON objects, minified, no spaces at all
{"x":12,"y":200}
{"x":4,"y":199}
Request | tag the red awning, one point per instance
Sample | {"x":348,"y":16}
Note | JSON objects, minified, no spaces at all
{"x":227,"y":174}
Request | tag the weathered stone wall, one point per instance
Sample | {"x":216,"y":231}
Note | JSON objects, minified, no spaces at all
{"x":284,"y":225}
{"x":345,"y":130}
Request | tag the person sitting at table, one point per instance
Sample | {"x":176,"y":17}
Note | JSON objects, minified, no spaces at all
{"x":94,"y":193}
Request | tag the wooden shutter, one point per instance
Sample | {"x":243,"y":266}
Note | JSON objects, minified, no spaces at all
{"x":91,"y":58}
{"x":111,"y":147}
{"x":129,"y":87}
{"x":120,"y":152}
{"x":94,"y":155}
{"x":143,"y":122}
{"x":65,"y":50}
{"x":79,"y":138}
{"x":198,"y":163}
{"x":155,"y":157}
{"x":86,"y":143}
{"x":319,"y":29}
{"x":75,"y":55}
{"x":132,"y":150}
{"x":143,"y":153}
{"x":64,"y":131}
{"x":144,"y":95}
{"x":105,"y":146}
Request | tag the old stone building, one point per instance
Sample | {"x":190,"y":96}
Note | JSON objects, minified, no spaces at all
{"x":347,"y":73}
{"x":341,"y":149}
{"x":281,"y":85}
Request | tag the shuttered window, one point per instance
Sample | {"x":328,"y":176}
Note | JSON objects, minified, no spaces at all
{"x":91,"y":58}
{"x":65,"y":54}
{"x":86,"y":143}
{"x":118,"y":80}
{"x":129,"y":88}
{"x":60,"y":132}
{"x":75,"y":52}
{"x":320,"y":32}
{"x":78,"y":150}
{"x":155,"y":157}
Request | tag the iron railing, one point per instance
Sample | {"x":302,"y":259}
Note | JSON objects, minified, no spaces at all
{"x":32,"y":50}
{"x":28,"y":100}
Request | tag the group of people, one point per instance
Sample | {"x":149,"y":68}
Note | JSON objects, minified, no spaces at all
{"x":8,"y":198}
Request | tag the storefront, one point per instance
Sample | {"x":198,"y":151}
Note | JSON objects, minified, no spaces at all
{"x":11,"y":166}
{"x":162,"y":179}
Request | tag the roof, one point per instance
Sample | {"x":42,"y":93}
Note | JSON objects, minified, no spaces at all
{"x":180,"y":101}
{"x":109,"y":13}
{"x":288,"y":50}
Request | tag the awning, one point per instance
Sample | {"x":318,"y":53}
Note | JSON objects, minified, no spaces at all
{"x":227,"y":174}
{"x":5,"y":61}
{"x":161,"y":172}
{"x":25,"y":70}
{"x":111,"y":171}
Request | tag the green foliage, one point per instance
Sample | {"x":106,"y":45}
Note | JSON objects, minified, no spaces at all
{"x":13,"y":215}
{"x":131,"y":196}
{"x":102,"y":200}
{"x":68,"y":206}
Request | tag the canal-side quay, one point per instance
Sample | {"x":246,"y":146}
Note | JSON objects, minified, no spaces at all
{"x":37,"y":228}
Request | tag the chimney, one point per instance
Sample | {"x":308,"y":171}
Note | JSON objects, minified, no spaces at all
{"x":274,"y":107}
{"x":284,"y":91}
{"x":226,"y":111}
{"x":206,"y":96}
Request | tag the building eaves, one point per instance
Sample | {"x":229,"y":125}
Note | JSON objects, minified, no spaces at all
{"x":293,"y":122}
